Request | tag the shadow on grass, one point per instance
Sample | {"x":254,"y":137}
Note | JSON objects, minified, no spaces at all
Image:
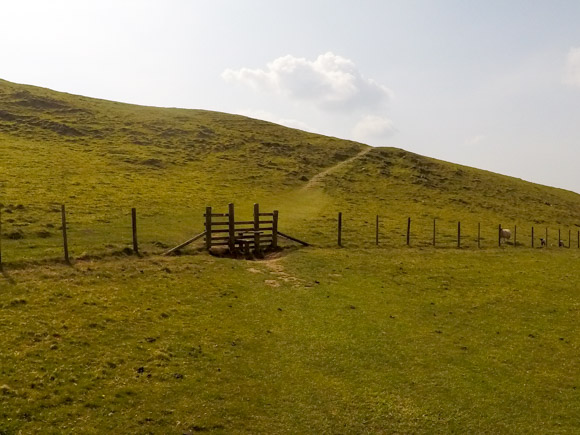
{"x":6,"y":276}
{"x":26,"y":264}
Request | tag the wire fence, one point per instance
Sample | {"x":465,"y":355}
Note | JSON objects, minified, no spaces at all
{"x":68,"y":233}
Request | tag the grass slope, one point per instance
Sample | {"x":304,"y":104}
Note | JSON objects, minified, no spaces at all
{"x":320,"y":341}
{"x":323,"y":340}
{"x":101,"y":158}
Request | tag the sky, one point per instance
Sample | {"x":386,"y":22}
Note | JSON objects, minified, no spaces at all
{"x":492,"y":84}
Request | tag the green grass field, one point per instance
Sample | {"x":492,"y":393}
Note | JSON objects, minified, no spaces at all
{"x":359,"y":339}
{"x":320,"y":340}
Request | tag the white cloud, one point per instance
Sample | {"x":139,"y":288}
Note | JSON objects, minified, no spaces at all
{"x":373,"y":130}
{"x":270,"y":117}
{"x":572,"y":70}
{"x":475,"y":140}
{"x":329,"y":82}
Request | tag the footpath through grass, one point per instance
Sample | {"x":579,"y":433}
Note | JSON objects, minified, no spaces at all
{"x":320,"y":340}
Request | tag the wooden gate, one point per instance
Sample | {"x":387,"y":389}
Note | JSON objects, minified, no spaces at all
{"x":222,"y":229}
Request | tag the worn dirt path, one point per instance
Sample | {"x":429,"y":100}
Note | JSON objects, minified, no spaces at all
{"x":274,"y":270}
{"x":317,"y":179}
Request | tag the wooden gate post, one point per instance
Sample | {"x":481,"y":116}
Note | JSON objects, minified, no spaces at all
{"x":340,"y":228}
{"x":134,"y":226}
{"x":64,"y":235}
{"x":231,"y":227}
{"x":257,"y":228}
{"x":408,"y":231}
{"x":275,"y":229}
{"x":459,"y":234}
{"x":208,"y":228}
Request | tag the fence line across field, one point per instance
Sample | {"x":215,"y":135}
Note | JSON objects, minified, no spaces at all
{"x":222,"y":229}
{"x":408,"y":234}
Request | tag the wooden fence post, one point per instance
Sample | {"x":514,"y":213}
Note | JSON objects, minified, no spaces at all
{"x":208,"y":211}
{"x":479,"y":234}
{"x":377,"y":231}
{"x":275,"y":229}
{"x":64,"y":235}
{"x":408,"y":231}
{"x":134,"y":226}
{"x":257,"y":228}
{"x":434,"y":230}
{"x":459,"y":234}
{"x":231,"y":227}
{"x":340,"y":228}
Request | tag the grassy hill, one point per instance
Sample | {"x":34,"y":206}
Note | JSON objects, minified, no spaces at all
{"x":366,"y":339}
{"x":101,"y":158}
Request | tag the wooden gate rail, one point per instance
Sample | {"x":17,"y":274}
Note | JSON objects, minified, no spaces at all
{"x":222,"y":229}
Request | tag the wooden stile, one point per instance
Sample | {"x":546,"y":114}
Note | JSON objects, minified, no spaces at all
{"x":208,"y":228}
{"x":275,"y":229}
{"x":257,"y":227}
{"x":232,"y":227}
{"x":222,"y":229}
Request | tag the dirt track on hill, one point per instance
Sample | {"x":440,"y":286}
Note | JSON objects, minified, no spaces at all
{"x":317,"y":179}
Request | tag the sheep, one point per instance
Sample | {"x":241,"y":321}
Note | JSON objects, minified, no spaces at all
{"x":504,"y":234}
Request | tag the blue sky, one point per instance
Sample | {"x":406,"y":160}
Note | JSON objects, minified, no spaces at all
{"x":491,"y":84}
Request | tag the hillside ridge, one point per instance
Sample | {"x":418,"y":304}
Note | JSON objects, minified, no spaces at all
{"x":102,"y":158}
